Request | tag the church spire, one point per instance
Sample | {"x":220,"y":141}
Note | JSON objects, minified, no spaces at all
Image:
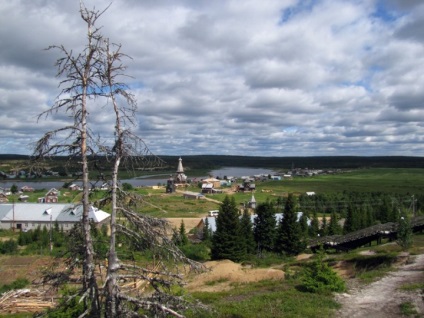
{"x":180,"y":166}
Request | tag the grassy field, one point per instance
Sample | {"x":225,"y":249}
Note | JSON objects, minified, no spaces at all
{"x":397,"y":181}
{"x":362,"y":180}
{"x":266,"y":299}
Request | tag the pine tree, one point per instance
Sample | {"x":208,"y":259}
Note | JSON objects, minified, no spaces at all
{"x":324,"y":227}
{"x":303,"y":223}
{"x":350,"y":222}
{"x":246,"y":233}
{"x":385,"y":211}
{"x":226,"y":241}
{"x":206,"y":235}
{"x":264,"y":227}
{"x":289,"y":236}
{"x":333,"y":227}
{"x":183,"y":234}
{"x":404,"y":234}
{"x":314,"y":227}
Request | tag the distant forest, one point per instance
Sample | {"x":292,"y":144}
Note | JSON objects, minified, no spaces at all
{"x":217,"y":161}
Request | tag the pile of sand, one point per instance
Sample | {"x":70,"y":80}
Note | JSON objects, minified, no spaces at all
{"x":223,"y":275}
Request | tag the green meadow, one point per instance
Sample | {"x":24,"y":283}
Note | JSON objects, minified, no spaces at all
{"x":401,"y":181}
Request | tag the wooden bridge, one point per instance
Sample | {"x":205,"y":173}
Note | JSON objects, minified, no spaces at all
{"x":365,"y":236}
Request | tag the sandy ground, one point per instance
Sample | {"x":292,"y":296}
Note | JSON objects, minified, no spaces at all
{"x":383,"y":298}
{"x":223,"y":274}
{"x":189,"y":223}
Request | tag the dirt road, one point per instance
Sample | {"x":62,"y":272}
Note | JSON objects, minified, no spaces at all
{"x":383,"y":298}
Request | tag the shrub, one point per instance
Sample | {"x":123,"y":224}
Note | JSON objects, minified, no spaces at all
{"x":196,"y":252}
{"x":8,"y":247}
{"x":318,"y":277}
{"x":127,"y":186}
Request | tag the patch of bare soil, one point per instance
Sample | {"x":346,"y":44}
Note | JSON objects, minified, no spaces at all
{"x":189,"y":223}
{"x":14,"y":267}
{"x":383,"y":297}
{"x":222,"y":275}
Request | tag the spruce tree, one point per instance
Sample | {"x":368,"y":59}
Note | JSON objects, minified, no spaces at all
{"x":289,"y":236}
{"x":333,"y":227}
{"x":183,"y":234}
{"x":246,"y":233}
{"x":226,"y":241}
{"x":303,"y":223}
{"x":206,"y":235}
{"x":324,"y":226}
{"x":314,"y":227}
{"x":350,"y":222}
{"x":265,"y":227}
{"x":385,"y":211}
{"x":404,"y":233}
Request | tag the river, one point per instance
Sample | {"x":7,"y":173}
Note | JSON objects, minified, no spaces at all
{"x":143,"y":181}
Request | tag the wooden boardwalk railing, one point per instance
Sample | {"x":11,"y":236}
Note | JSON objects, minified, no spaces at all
{"x":364,"y":236}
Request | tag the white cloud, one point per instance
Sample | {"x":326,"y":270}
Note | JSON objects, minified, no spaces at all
{"x":273,"y":78}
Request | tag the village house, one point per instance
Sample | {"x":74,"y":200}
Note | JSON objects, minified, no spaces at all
{"x":27,"y":189}
{"x":247,"y":185}
{"x":74,"y":187}
{"x":29,"y":216}
{"x":3,"y":197}
{"x":52,"y":196}
{"x":23,"y":198}
{"x":193,"y":195}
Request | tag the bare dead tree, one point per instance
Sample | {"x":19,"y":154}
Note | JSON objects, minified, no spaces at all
{"x":81,"y":73}
{"x":144,"y":232}
{"x":93,"y":75}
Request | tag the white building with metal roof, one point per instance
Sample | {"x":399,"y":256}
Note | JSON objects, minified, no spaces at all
{"x":29,"y":216}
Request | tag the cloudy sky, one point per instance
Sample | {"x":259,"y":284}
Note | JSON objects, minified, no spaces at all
{"x":236,"y":77}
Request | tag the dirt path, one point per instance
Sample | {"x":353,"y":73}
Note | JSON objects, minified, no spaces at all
{"x":383,"y":298}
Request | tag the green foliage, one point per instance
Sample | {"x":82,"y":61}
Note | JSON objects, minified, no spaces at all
{"x":69,"y":306}
{"x":265,"y":299}
{"x":198,"y":252}
{"x":206,"y":232}
{"x":408,"y":309}
{"x":412,"y":286}
{"x":66,"y":184}
{"x":17,"y":284}
{"x":127,"y":186}
{"x":246,"y":233}
{"x":39,"y":239}
{"x":14,"y":189}
{"x":350,"y":224}
{"x":314,"y":227}
{"x":289,"y":235}
{"x":318,"y":277}
{"x":369,"y":268}
{"x":404,"y":234}
{"x":8,"y":247}
{"x":264,"y":226}
{"x":333,"y":227}
{"x":179,"y":237}
{"x":226,"y":242}
{"x":183,"y":234}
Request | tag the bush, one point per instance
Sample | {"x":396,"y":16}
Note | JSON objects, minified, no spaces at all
{"x":127,"y":186}
{"x":318,"y":277}
{"x":8,"y":247}
{"x":196,"y":252}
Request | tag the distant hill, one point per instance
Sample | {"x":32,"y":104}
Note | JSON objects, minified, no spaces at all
{"x":318,"y":162}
